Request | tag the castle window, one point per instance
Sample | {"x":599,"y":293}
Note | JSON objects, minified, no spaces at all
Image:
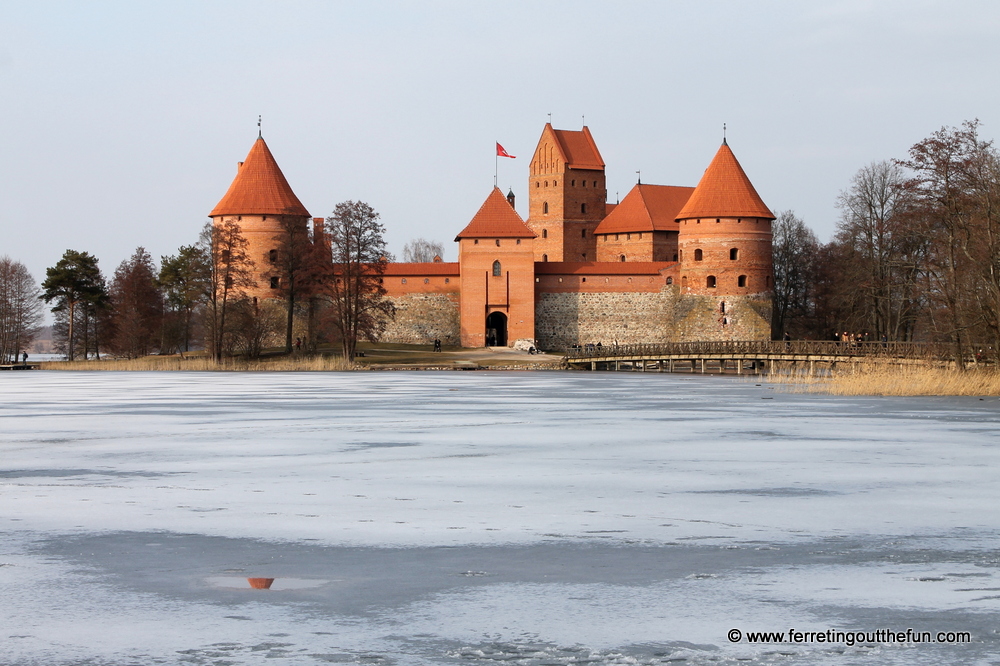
{"x":537,"y":184}
{"x":741,"y":281}
{"x":628,"y":236}
{"x":725,"y":321}
{"x":546,"y":183}
{"x":498,"y":242}
{"x":545,"y":257}
{"x":621,"y":258}
{"x":583,"y":233}
{"x":427,"y":280}
{"x":734,"y":254}
{"x":584,"y":279}
{"x":640,"y":235}
{"x":767,"y":282}
{"x":710,"y":282}
{"x":272,"y":256}
{"x":584,"y":183}
{"x":381,"y":281}
{"x":496,"y":268}
{"x":403,"y":281}
{"x":275,"y":283}
{"x":554,"y":183}
{"x":584,"y":255}
{"x":684,"y":282}
{"x":475,"y":241}
{"x":670,"y":280}
{"x":583,"y":208}
{"x":545,"y":208}
{"x":447,"y":280}
{"x":572,"y":183}
{"x":545,"y":233}
{"x":595,"y":183}
{"x":717,"y":220}
{"x":698,"y":255}
{"x":722,"y":307}
{"x":616,"y":236}
{"x":518,"y":241}
{"x":681,"y":255}
{"x":675,"y":256}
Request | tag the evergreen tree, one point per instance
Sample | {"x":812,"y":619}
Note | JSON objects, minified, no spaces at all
{"x":77,"y":286}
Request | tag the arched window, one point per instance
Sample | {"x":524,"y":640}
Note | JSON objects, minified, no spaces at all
{"x":583,"y":233}
{"x":546,"y":183}
{"x":545,"y":233}
{"x":496,"y":268}
{"x":734,"y":254}
{"x":621,"y":258}
{"x":741,"y":281}
{"x":684,"y":282}
{"x":698,"y":254}
{"x":710,"y":282}
{"x":498,"y":242}
{"x":572,"y":183}
{"x":584,"y":183}
{"x":545,"y":208}
{"x":275,"y":283}
{"x":675,"y":256}
{"x":670,"y":280}
{"x":272,"y":256}
{"x":583,"y":208}
{"x":595,"y":183}
{"x":545,"y":257}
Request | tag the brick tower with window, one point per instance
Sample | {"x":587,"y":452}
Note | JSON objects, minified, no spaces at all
{"x":261,"y":202}
{"x":497,"y":275}
{"x":566,"y":195}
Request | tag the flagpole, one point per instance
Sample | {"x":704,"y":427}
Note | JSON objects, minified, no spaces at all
{"x":496,"y":162}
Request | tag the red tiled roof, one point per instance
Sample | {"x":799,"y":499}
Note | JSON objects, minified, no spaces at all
{"x":646,"y":208}
{"x":724,"y":191}
{"x":259,"y":188}
{"x":424,"y":268}
{"x":496,"y":219}
{"x":578,"y":148}
{"x":601,"y":267}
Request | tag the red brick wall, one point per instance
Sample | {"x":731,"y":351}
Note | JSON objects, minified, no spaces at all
{"x":638,"y":246}
{"x":750,"y":236}
{"x":260,"y":232}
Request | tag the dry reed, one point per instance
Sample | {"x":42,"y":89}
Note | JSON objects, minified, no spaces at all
{"x":880,"y":379}
{"x":204,"y":364}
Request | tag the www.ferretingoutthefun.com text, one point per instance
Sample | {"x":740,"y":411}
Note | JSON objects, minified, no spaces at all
{"x":849,"y":637}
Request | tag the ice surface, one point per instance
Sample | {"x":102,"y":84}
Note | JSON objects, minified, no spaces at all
{"x":535,"y":518}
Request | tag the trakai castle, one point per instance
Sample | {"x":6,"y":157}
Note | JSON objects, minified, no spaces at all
{"x":666,"y":264}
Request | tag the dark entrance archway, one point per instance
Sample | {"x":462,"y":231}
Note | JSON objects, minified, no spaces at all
{"x":496,"y":330}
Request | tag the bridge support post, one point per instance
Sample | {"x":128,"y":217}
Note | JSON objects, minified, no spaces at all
{"x":593,"y":365}
{"x":670,"y":364}
{"x":702,"y":366}
{"x":642,"y":365}
{"x":616,"y":366}
{"x":739,"y":366}
{"x":812,"y":368}
{"x":771,"y":369}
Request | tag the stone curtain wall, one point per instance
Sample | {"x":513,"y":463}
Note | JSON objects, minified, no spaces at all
{"x":422,"y":317}
{"x":563,"y":319}
{"x":703,"y":318}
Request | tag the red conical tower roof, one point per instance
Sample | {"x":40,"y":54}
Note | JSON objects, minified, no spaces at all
{"x":259,"y":188}
{"x":724,"y":191}
{"x":496,"y":219}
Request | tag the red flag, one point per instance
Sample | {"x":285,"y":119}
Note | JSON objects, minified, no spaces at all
{"x":502,"y":153}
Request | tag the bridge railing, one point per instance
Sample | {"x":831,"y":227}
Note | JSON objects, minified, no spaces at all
{"x":895,"y":350}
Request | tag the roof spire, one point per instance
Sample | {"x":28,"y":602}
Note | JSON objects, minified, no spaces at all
{"x":638,"y":178}
{"x":259,"y":134}
{"x":550,"y":118}
{"x":583,"y":121}
{"x":724,"y":134}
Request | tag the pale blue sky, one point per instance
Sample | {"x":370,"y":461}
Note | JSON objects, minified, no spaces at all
{"x":123,"y":122}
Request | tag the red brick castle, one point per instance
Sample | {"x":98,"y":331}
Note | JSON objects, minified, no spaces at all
{"x":666,"y":264}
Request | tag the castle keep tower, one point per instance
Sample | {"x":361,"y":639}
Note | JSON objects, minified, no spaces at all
{"x":261,"y":202}
{"x":497,"y":274}
{"x":566,"y":195}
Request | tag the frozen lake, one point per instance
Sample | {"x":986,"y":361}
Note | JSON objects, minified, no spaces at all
{"x":486,"y":518}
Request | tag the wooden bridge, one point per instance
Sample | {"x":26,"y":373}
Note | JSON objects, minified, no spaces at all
{"x":764,"y":357}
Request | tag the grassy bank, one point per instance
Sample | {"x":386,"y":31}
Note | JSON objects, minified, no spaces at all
{"x":204,"y":364}
{"x":895,"y":380}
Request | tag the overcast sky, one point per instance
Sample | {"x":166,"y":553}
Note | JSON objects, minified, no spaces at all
{"x":123,"y":122}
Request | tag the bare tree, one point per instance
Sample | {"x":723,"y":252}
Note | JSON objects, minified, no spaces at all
{"x":358,"y":306}
{"x":296,"y":265}
{"x":230,"y":275}
{"x":137,"y":306}
{"x":420,"y":250}
{"x":884,"y":253}
{"x":20,"y":308}
{"x":794,"y":249}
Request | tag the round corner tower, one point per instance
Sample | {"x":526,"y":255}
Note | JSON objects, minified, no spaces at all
{"x":264,"y":206}
{"x":724,"y":251}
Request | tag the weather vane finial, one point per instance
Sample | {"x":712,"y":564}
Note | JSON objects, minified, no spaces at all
{"x":723,"y":132}
{"x":259,"y":135}
{"x":550,"y":119}
{"x":638,"y":179}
